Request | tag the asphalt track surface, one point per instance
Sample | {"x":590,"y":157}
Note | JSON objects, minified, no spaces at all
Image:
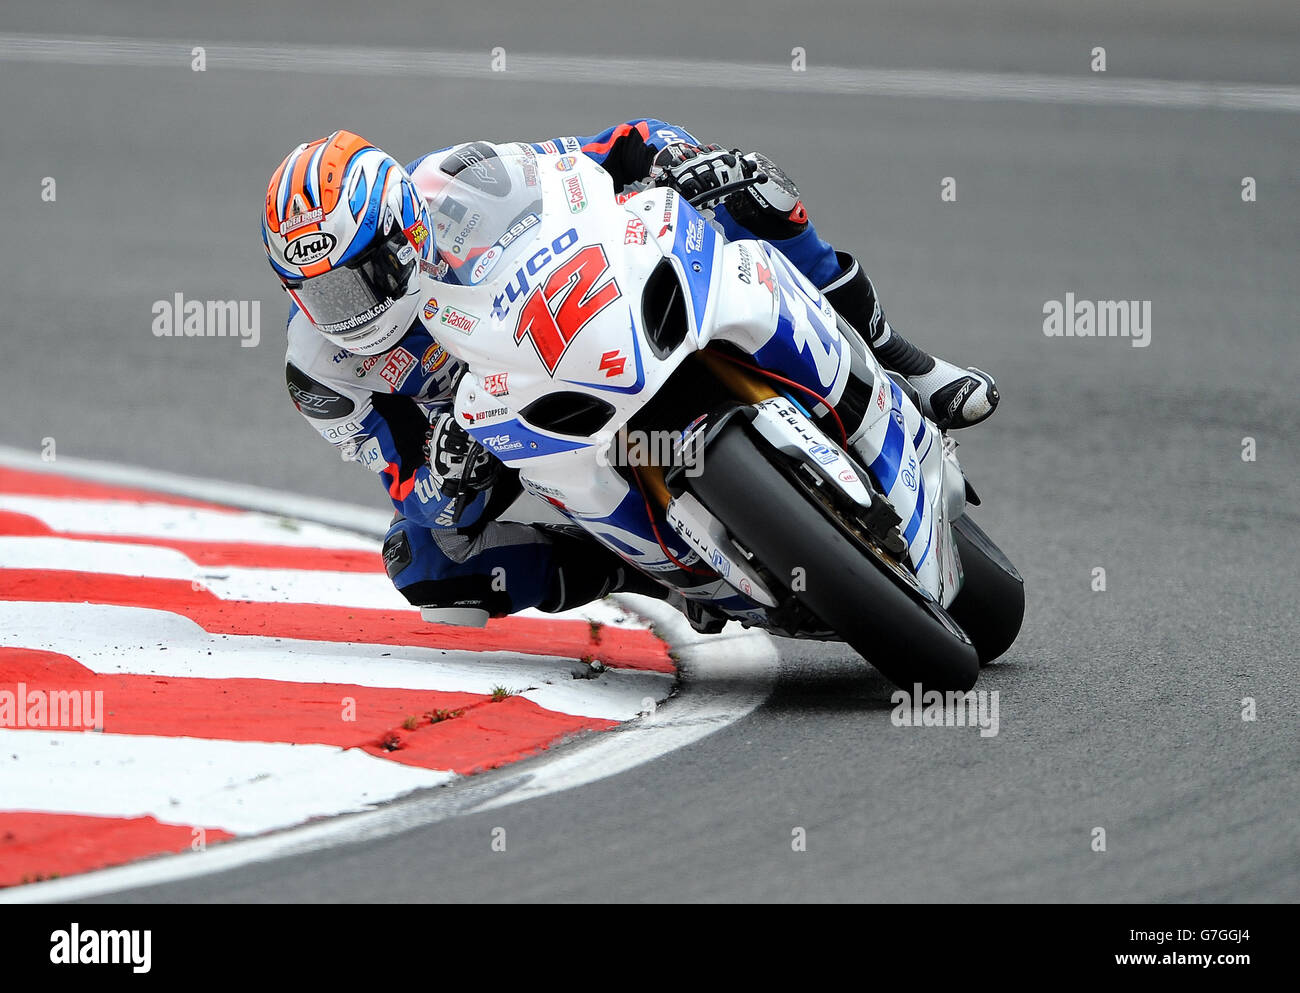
{"x":1118,"y":709}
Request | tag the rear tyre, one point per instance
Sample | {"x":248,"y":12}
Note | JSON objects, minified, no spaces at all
{"x":906,"y":637}
{"x":991,"y":605}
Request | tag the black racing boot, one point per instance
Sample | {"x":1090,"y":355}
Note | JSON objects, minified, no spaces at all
{"x":586,"y":571}
{"x":951,"y":397}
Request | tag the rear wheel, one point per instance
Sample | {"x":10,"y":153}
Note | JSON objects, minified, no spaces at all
{"x":780,"y":517}
{"x":991,"y":604}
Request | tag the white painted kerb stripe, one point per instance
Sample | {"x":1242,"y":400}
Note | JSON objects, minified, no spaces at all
{"x":242,"y":787}
{"x":1099,"y":90}
{"x":167,"y":520}
{"x":133,"y":640}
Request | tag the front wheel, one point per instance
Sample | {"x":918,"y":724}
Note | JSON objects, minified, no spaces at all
{"x":990,"y":606}
{"x":778,"y":517}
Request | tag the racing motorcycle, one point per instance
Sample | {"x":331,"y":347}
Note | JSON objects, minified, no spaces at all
{"x":805,"y":491}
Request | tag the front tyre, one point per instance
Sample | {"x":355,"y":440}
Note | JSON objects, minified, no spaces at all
{"x":772,"y":512}
{"x":991,"y":603}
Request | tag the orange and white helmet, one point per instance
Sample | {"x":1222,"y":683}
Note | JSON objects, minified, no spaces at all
{"x":348,"y":233}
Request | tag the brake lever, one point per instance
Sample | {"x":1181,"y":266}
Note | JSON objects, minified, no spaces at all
{"x":720,"y":193}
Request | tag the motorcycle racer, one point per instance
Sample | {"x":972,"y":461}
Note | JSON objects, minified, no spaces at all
{"x":348,"y":231}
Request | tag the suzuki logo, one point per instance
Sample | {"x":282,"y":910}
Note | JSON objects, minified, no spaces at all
{"x":612,"y":364}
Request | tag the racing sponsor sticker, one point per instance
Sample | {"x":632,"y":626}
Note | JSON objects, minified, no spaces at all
{"x":310,"y":247}
{"x":430,"y":308}
{"x":695,"y":235}
{"x":496,"y":384}
{"x":529,"y":164}
{"x":485,"y":264}
{"x":341,"y":432}
{"x":565,"y":163}
{"x":458,"y":243}
{"x":397,"y":368}
{"x":635,"y":232}
{"x":458,"y":319}
{"x":746,"y":263}
{"x":367,"y":363}
{"x":297,"y":221}
{"x":576,"y":194}
{"x":370,"y":455}
{"x":416,"y":233}
{"x":670,"y":208}
{"x":518,"y":228}
{"x":908,"y":475}
{"x":502,"y":443}
{"x":485,"y":415}
{"x":314,"y":398}
{"x":435,"y":357}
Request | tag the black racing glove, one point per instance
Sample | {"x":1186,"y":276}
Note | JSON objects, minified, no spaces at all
{"x":694,"y":169}
{"x":457,"y":462}
{"x":772,"y":209}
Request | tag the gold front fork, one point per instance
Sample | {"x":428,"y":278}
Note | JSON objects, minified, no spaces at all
{"x":741,"y":383}
{"x":745,"y":386}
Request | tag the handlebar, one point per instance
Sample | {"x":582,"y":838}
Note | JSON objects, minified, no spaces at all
{"x":718,"y":194}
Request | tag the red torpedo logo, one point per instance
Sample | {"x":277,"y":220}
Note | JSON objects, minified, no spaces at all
{"x":612,"y":363}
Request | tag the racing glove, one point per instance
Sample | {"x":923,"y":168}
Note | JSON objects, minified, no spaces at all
{"x":695,"y":169}
{"x":772,"y":209}
{"x":457,"y":463}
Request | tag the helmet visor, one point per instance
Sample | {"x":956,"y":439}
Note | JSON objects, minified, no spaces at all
{"x":348,"y":298}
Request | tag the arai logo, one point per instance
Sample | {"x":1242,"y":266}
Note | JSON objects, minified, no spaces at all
{"x":309,"y":248}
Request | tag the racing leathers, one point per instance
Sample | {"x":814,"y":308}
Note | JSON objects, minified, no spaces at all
{"x":448,"y":548}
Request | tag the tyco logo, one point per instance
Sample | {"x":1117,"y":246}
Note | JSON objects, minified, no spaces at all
{"x":519,"y":284}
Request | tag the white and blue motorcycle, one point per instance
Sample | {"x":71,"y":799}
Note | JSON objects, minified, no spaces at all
{"x":802,"y":490}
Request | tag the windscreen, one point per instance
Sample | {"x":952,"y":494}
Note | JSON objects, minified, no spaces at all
{"x":486,"y":205}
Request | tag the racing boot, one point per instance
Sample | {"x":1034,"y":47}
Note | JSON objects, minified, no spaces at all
{"x":951,"y":397}
{"x":585,"y":571}
{"x":698,"y":614}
